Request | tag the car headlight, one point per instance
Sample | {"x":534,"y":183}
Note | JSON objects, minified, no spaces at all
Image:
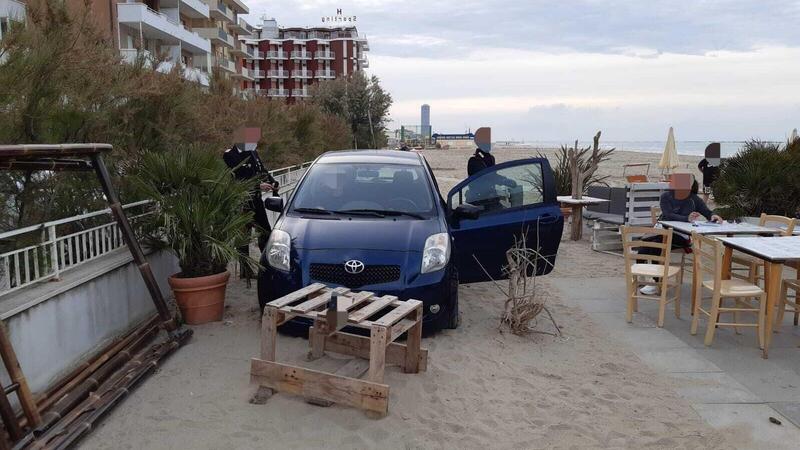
{"x":436,"y":253}
{"x":278,"y":249}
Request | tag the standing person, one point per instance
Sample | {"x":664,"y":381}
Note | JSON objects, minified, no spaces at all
{"x":709,"y":166}
{"x":679,"y":203}
{"x":482,"y":158}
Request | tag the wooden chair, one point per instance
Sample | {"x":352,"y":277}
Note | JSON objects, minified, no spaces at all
{"x":708,"y":253}
{"x":686,"y":264}
{"x":750,"y":268}
{"x":639,"y":273}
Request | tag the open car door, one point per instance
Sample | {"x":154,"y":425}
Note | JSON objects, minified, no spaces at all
{"x":495,"y":206}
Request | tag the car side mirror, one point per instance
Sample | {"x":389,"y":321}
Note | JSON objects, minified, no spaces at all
{"x":467,"y":211}
{"x":274,"y":204}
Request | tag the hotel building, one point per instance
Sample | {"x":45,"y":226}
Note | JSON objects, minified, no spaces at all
{"x":199,"y":36}
{"x":286,"y":61}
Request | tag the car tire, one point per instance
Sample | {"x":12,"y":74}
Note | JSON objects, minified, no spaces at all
{"x":452,"y":319}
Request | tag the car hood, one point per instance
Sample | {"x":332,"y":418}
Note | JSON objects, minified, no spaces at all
{"x":360,"y":233}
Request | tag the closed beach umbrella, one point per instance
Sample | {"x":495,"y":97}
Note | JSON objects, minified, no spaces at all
{"x":669,"y":160}
{"x":793,"y":136}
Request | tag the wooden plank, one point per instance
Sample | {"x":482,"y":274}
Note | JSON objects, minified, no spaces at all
{"x":354,"y":345}
{"x":377,"y":353}
{"x":313,"y":384}
{"x":316,"y":339}
{"x":401,"y":327}
{"x":355,"y":300}
{"x":297,"y":295}
{"x":354,"y":368}
{"x":398,"y":313}
{"x":413,"y":342}
{"x":317,"y":301}
{"x":269,"y":333}
{"x":371,"y":309}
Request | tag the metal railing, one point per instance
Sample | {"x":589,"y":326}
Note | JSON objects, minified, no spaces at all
{"x":299,"y":92}
{"x":272,"y":54}
{"x":278,"y":92}
{"x":325,"y":74}
{"x":258,"y":73}
{"x":54,"y":252}
{"x":277,"y":73}
{"x":325,"y":55}
{"x":303,"y":73}
{"x":301,"y":55}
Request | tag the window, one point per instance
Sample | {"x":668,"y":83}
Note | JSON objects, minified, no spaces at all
{"x":511,"y":187}
{"x":346,"y":186}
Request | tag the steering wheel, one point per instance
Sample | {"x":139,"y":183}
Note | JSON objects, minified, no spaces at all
{"x":401,"y":204}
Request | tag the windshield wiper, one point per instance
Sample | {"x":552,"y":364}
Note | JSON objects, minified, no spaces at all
{"x":381,"y":213}
{"x":313,"y":211}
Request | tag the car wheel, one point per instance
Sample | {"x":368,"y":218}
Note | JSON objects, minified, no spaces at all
{"x":452,"y":319}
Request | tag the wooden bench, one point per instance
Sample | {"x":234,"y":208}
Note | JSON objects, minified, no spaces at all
{"x":386,"y":317}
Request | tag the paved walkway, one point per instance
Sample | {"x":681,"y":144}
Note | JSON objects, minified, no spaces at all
{"x":728,"y":383}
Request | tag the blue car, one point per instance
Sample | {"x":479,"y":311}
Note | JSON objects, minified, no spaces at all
{"x":375,"y":221}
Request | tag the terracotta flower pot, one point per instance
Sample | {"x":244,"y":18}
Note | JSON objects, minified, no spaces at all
{"x":201,"y":299}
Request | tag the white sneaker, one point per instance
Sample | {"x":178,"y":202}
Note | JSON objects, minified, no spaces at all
{"x":650,"y":290}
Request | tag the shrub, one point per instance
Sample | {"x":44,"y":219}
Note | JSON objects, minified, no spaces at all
{"x":760,"y":178}
{"x":199,"y":216}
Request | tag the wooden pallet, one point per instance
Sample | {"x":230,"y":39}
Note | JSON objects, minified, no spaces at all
{"x":394,"y":317}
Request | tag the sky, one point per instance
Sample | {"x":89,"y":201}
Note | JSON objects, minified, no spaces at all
{"x":561,"y":70}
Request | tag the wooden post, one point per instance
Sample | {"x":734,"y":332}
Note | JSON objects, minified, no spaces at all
{"x":15,"y":373}
{"x":377,"y":353}
{"x":269,"y":333}
{"x":316,"y":339}
{"x":413,"y":343}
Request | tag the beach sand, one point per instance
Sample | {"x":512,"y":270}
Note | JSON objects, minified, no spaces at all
{"x":484,"y":388}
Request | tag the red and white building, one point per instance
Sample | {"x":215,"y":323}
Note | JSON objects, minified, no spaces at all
{"x":286,"y":61}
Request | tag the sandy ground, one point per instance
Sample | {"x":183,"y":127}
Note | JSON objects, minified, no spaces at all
{"x":450,"y":166}
{"x":484,"y":388}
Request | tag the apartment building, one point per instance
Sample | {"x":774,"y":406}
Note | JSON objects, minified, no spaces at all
{"x":286,"y":61}
{"x":198,"y":36}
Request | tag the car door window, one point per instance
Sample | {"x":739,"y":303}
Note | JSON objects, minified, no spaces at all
{"x":502,"y":189}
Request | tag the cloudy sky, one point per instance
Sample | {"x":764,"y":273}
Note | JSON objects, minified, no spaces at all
{"x":559,"y":70}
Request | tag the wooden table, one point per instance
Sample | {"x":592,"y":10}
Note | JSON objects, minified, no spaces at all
{"x":775,"y":252}
{"x":724,"y":229}
{"x":577,"y":205}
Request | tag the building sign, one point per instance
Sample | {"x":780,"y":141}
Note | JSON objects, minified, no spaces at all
{"x":338,"y":18}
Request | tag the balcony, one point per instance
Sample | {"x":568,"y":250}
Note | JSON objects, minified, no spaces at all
{"x":325,"y":74}
{"x":195,"y":9}
{"x":301,"y":55}
{"x":325,"y":55}
{"x":257,"y":54}
{"x":145,"y":58}
{"x":363,"y":62}
{"x":238,"y":6}
{"x":217,"y":36}
{"x":300,"y":92}
{"x":278,"y":74}
{"x":156,"y":25}
{"x":275,"y":54}
{"x":225,"y":64}
{"x":240,"y":49}
{"x":302,"y":74}
{"x":257,"y":73}
{"x":220,"y":11}
{"x":278,"y":93}
{"x":245,"y":73}
{"x":240,"y":27}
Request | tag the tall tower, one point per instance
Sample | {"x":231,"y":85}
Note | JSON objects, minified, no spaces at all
{"x":425,"y":121}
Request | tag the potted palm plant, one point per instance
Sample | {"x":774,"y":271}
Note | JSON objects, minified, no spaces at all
{"x":199,"y":218}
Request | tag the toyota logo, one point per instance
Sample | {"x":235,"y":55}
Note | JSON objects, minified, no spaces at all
{"x":354,"y":266}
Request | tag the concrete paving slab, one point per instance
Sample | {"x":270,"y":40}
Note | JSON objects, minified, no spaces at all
{"x":770,"y":379}
{"x":677,"y":360}
{"x":790,"y":410}
{"x":713,"y":387}
{"x":755,"y":418}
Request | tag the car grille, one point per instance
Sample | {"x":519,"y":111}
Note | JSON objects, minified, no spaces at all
{"x":335,"y":273}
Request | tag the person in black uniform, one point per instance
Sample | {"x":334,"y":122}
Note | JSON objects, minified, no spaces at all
{"x":247,"y":165}
{"x":709,"y":166}
{"x":479,"y":161}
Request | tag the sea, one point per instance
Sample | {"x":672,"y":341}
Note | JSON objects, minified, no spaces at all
{"x":695,"y":148}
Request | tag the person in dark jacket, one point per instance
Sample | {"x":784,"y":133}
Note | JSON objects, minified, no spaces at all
{"x":246,"y":165}
{"x":709,"y":166}
{"x":680,"y":203}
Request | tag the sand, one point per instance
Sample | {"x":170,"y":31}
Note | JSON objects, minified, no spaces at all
{"x":484,"y":388}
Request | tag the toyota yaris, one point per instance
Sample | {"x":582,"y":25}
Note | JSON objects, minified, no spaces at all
{"x":375,"y":221}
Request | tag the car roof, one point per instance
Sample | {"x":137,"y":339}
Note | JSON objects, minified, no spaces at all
{"x":371,"y":156}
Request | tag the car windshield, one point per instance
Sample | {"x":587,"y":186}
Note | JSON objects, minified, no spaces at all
{"x":369,"y":190}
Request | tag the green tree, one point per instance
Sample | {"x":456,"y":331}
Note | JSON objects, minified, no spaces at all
{"x":359,"y":101}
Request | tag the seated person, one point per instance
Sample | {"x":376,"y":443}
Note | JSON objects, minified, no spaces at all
{"x":679,"y":203}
